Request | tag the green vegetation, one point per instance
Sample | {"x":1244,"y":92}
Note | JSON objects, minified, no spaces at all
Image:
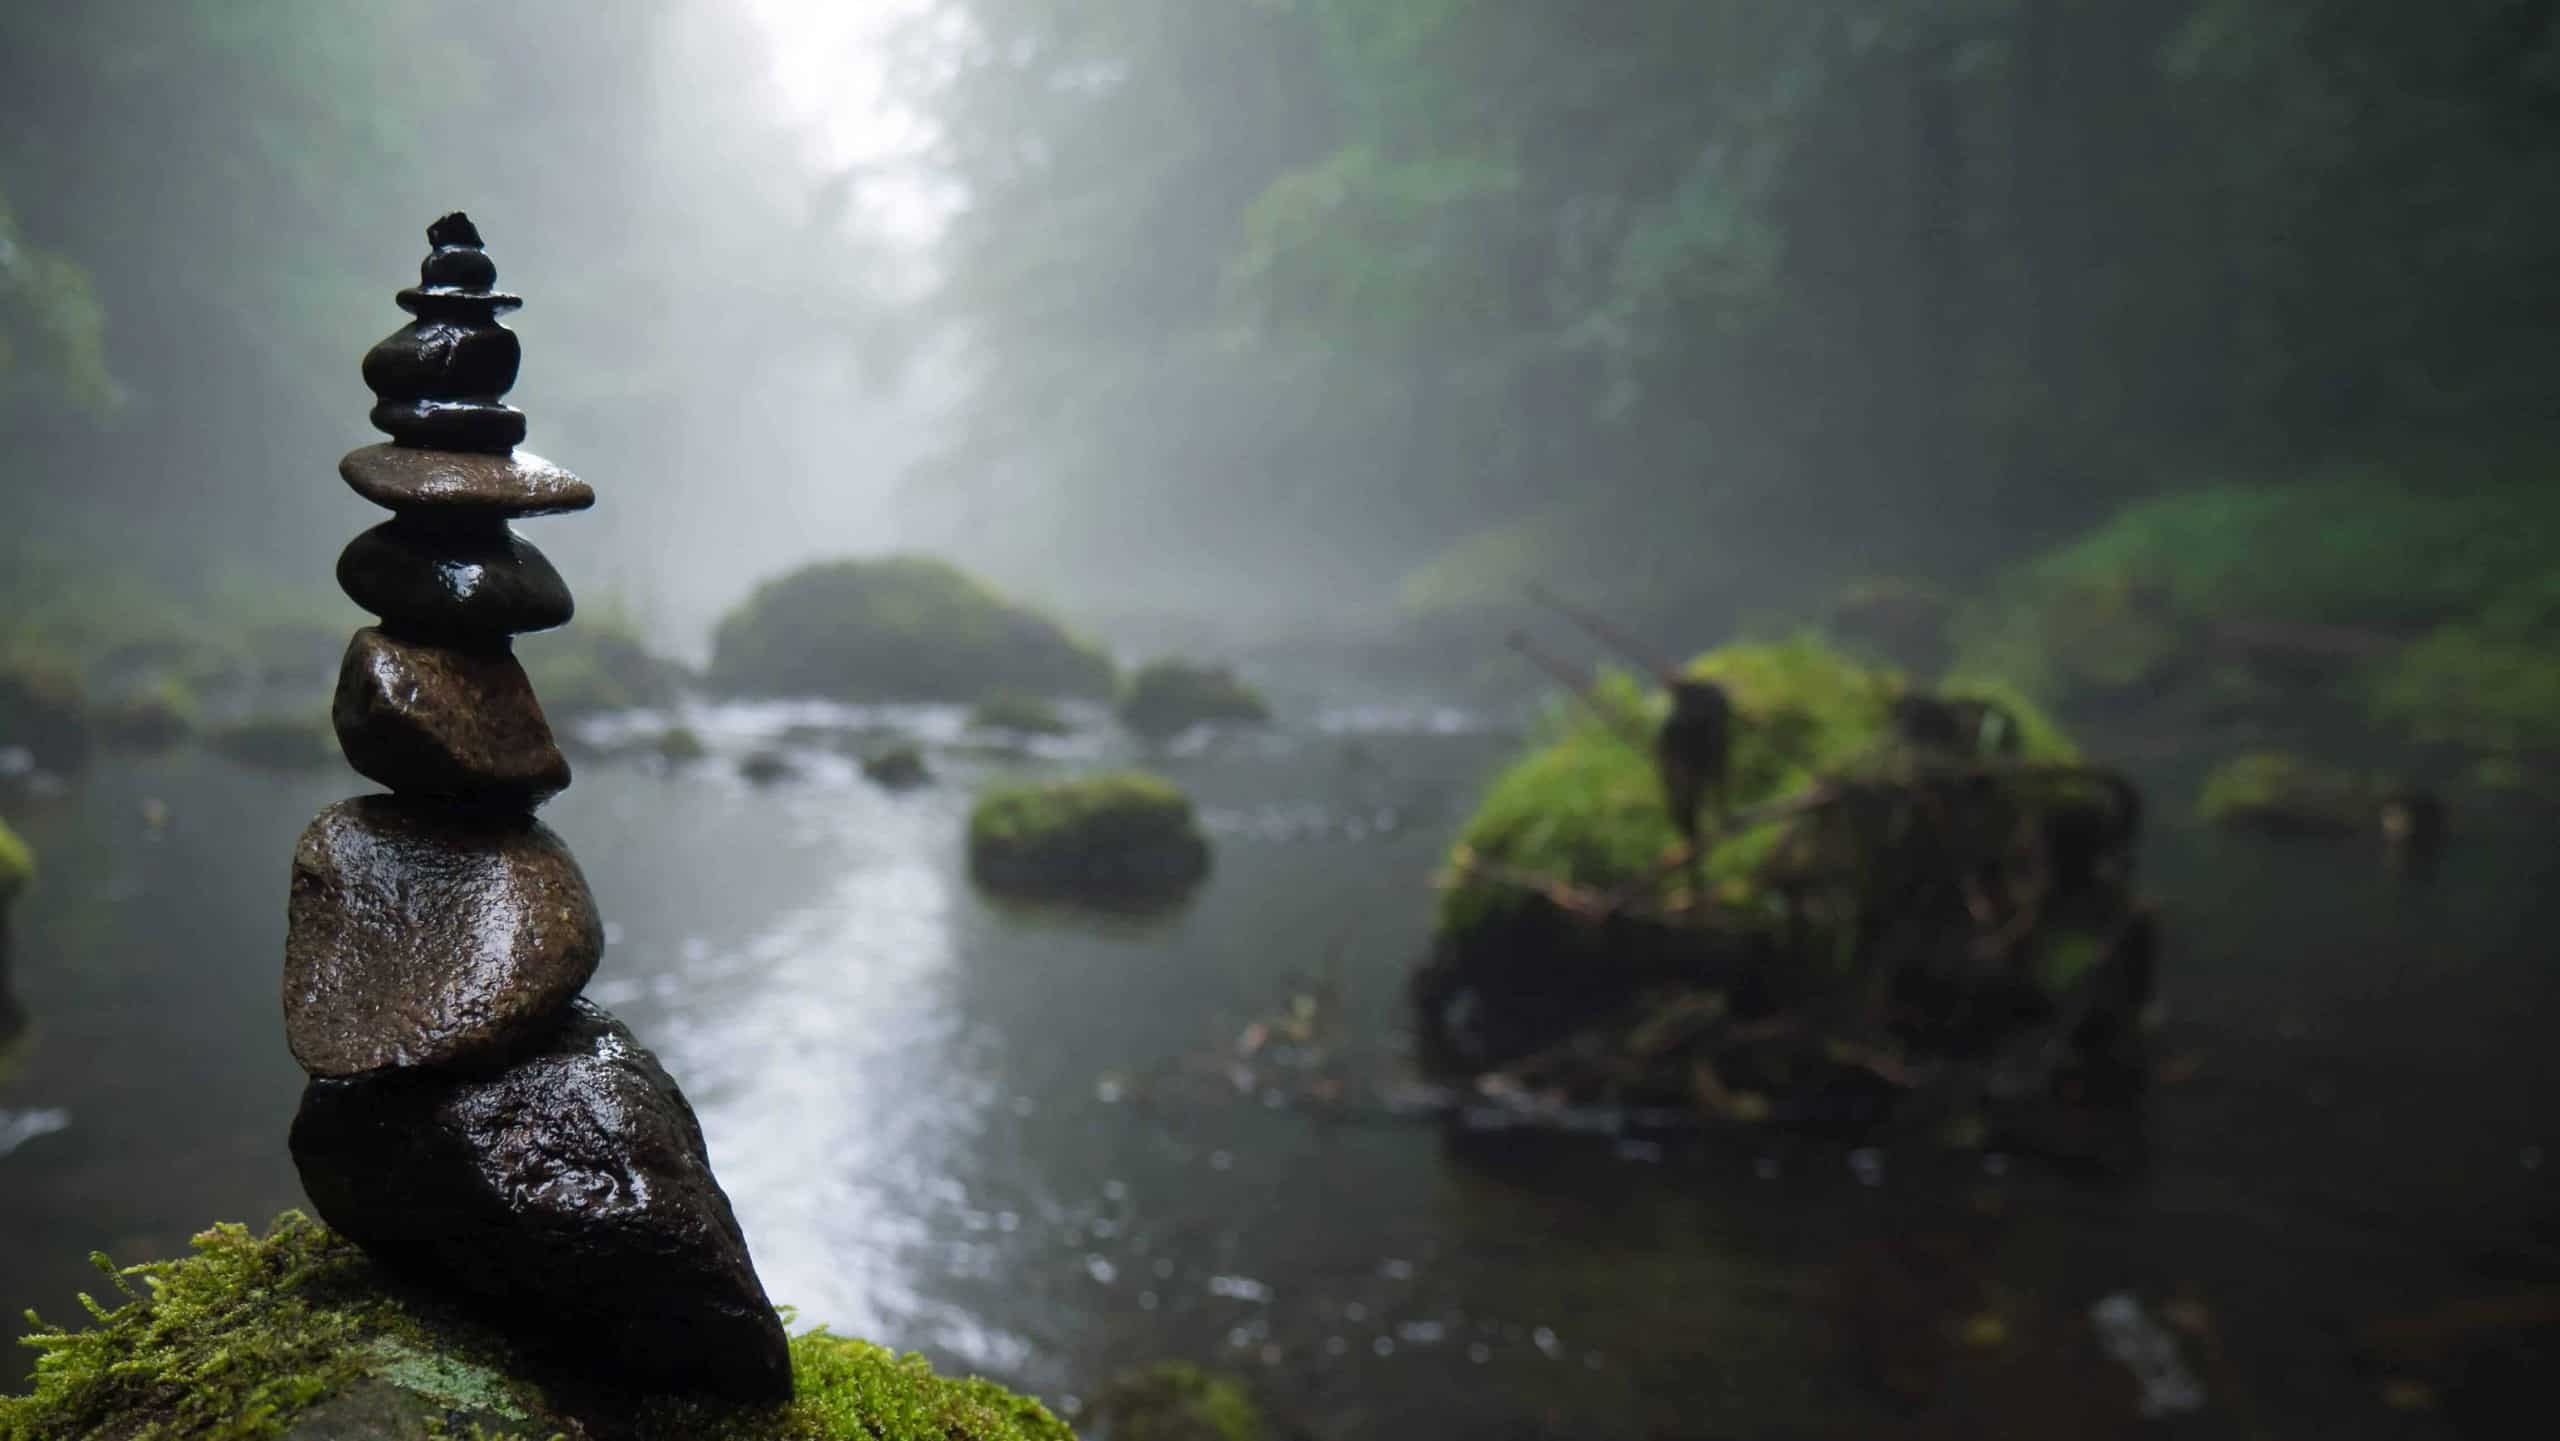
{"x":905,"y":627}
{"x":2488,"y":683}
{"x":897,"y":768}
{"x":1124,"y":837}
{"x":43,"y":709}
{"x":596,"y":663}
{"x":1177,"y":1401}
{"x":1167,"y":697}
{"x":250,"y":1333}
{"x":1018,"y":713}
{"x":680,"y":745}
{"x":17,"y":865}
{"x":2283,"y":793}
{"x":150,"y":717}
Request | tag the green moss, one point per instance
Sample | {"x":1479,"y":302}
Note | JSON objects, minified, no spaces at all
{"x":1124,"y":836}
{"x":677,"y":745}
{"x":897,"y":767}
{"x":905,"y":627}
{"x":2490,"y":683}
{"x":2040,"y":738}
{"x":2280,"y":791}
{"x":17,"y":864}
{"x":237,"y":1341}
{"x":1167,"y":697}
{"x":1177,"y":1401}
{"x":1016,"y":713}
{"x":596,"y":663}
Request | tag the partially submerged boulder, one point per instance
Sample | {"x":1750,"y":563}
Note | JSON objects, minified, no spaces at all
{"x":2283,"y":794}
{"x":1166,"y":697}
{"x":295,"y":1334}
{"x":905,"y":627}
{"x":898,"y":768}
{"x":1121,"y":838}
{"x":1902,"y":891}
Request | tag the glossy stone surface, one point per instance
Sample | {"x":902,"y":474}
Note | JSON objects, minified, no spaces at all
{"x":569,"y":1193}
{"x":422,"y":935}
{"x":436,"y":720}
{"x":447,"y":358}
{"x":405,"y":478}
{"x":440,"y":424}
{"x":473,"y":578}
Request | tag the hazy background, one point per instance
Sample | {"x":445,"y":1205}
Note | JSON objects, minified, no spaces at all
{"x":1255,"y":309}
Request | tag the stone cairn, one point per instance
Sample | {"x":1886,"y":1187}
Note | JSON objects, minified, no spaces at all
{"x":470,"y":1121}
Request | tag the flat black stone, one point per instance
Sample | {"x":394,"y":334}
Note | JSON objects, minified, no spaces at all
{"x":568,"y":1194}
{"x":443,"y":360}
{"x":435,"y":424}
{"x":456,"y":482}
{"x":469,"y":578}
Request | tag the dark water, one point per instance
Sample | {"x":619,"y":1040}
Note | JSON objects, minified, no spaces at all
{"x":917,"y":1102}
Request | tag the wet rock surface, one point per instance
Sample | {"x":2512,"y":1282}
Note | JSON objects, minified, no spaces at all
{"x":471,"y":577}
{"x":405,"y":478}
{"x":423,"y":935}
{"x":571,"y":1191}
{"x":438,"y":720}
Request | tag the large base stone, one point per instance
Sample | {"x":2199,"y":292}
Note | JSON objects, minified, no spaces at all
{"x":569,"y":1194}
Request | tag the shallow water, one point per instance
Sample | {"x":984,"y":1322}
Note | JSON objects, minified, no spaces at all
{"x":921,"y":1104}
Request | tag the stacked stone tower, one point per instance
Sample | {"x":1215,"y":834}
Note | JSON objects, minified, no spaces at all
{"x":470,"y":1120}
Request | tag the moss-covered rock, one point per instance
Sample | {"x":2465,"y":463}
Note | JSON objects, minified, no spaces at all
{"x":897,"y":768}
{"x":1121,"y":838}
{"x":1019,"y":714}
{"x":905,"y":627}
{"x":294,"y":1334}
{"x":1166,"y":697}
{"x":17,"y":867}
{"x":2489,"y":683}
{"x":2286,"y":794}
{"x":594,"y":665}
{"x":1176,"y":1401}
{"x":149,"y":717}
{"x":1843,"y":882}
{"x":285,"y":742}
{"x":44,"y":710}
{"x":680,"y":745}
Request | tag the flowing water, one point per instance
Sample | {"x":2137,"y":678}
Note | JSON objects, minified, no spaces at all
{"x":926,"y":1109}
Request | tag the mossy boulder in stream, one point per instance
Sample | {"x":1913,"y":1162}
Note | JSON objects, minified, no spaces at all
{"x":2280,"y":793}
{"x":1904,"y":885}
{"x":296,"y":1335}
{"x":1167,"y":697}
{"x":906,"y":627}
{"x":1121,"y":838}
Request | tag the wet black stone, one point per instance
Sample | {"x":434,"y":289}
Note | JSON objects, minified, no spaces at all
{"x":434,"y":424}
{"x":419,"y":934}
{"x":453,"y":229}
{"x":473,"y":577}
{"x":457,"y":268}
{"x":569,"y":1194}
{"x":444,"y":360}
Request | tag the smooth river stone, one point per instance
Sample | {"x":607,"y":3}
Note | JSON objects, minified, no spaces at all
{"x":444,"y":721}
{"x":420,"y":934}
{"x":476,"y":578}
{"x":466,"y":424}
{"x":407,"y":478}
{"x":446,"y":359}
{"x":569,"y":1194}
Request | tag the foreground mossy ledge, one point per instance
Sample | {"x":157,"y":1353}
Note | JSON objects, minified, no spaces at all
{"x":295,"y":1334}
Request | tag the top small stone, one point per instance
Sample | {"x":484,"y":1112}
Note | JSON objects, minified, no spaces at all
{"x":454,"y":229}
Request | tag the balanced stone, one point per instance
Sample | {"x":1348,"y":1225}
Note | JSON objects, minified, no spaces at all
{"x":474,"y":425}
{"x":439,"y":378}
{"x":422,"y":935}
{"x":440,"y":357}
{"x":404,"y":478}
{"x":571,"y":1192}
{"x":471,"y":577}
{"x":445,"y":721}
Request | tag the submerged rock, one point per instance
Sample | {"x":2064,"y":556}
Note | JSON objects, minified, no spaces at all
{"x":2278,"y":793}
{"x":1123,"y":838}
{"x":422,"y":935}
{"x":445,"y":721}
{"x":468,"y":578}
{"x":1168,"y":697}
{"x":898,"y":768}
{"x":298,"y":1334}
{"x":570,"y":1190}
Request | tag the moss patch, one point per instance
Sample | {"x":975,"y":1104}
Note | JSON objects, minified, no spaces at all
{"x":2280,"y":792}
{"x":1124,"y":837}
{"x":251,"y":1333}
{"x":902,"y":628}
{"x":1016,"y":713}
{"x":1177,"y":1401}
{"x":17,"y":864}
{"x":1168,"y":697}
{"x":2489,"y":683}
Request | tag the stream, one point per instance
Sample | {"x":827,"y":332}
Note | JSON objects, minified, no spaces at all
{"x":919,"y":1103}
